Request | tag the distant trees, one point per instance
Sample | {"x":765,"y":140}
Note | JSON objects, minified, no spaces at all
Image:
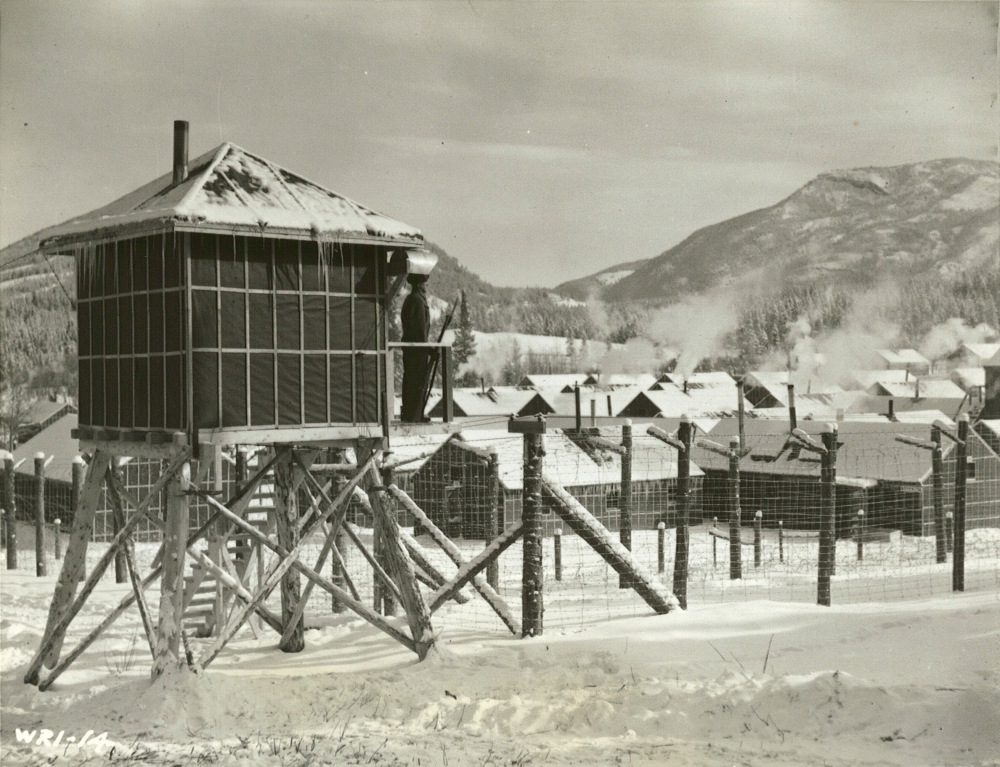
{"x":465,"y":340}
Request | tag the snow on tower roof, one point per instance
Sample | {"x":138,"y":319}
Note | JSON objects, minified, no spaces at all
{"x":233,"y":189}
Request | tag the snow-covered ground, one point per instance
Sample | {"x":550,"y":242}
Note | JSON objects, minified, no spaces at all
{"x":748,"y":682}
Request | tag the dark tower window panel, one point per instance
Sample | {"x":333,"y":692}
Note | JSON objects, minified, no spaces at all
{"x":289,"y":390}
{"x":140,"y":404}
{"x":314,"y":387}
{"x":261,"y":390}
{"x":140,"y":263}
{"x":110,"y":326}
{"x":234,"y":321}
{"x":312,"y":270}
{"x":97,"y":392}
{"x":111,"y":392}
{"x":125,"y":324}
{"x":84,"y":392}
{"x":204,"y":322}
{"x":340,"y":388}
{"x":127,"y":394}
{"x":261,"y":319}
{"x":366,"y":389}
{"x":365,"y":323}
{"x":124,"y":248}
{"x":173,"y":319}
{"x":314,"y":322}
{"x":288,"y":322}
{"x":155,"y":323}
{"x":259,"y":263}
{"x":203,"y":259}
{"x":140,"y":315}
{"x":83,"y":327}
{"x":155,"y":261}
{"x":175,"y":392}
{"x":365,"y":270}
{"x":234,"y":390}
{"x":97,"y":327}
{"x":172,"y":262}
{"x":109,"y":268}
{"x":286,"y":264}
{"x":340,"y":323}
{"x":82,"y":273}
{"x":156,"y":384}
{"x":231,"y":268}
{"x":93,"y":276}
{"x":338,"y":268}
{"x":206,"y":390}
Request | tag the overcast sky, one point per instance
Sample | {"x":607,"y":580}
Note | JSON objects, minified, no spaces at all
{"x":536,"y":142}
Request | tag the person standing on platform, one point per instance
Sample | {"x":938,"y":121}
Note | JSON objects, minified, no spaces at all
{"x":415,"y":318}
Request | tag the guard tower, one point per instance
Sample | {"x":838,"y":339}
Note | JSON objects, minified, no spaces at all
{"x":229,"y":303}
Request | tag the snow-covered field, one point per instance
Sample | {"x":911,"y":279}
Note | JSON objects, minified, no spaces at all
{"x":747,"y":682}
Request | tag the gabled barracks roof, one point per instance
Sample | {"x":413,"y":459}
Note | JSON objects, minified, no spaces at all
{"x":652,"y":460}
{"x":56,"y":440}
{"x":232,"y":189}
{"x":868,"y":451}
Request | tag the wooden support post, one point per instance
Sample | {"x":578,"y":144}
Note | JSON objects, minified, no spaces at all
{"x":474,"y":566}
{"x":557,"y":552}
{"x":40,"y":569}
{"x":479,"y":583}
{"x":447,"y":402}
{"x":861,"y":534}
{"x":593,"y":413}
{"x":118,"y":522}
{"x":57,"y":524}
{"x":937,"y":472}
{"x":961,"y":475}
{"x":949,"y":531}
{"x":661,"y":559}
{"x":337,"y":571}
{"x":735,"y":554}
{"x":388,"y":606}
{"x":828,"y":515}
{"x":781,"y":541}
{"x":532,"y":606}
{"x":418,"y":614}
{"x":10,"y":510}
{"x":682,"y":544}
{"x":287,"y":517}
{"x":493,"y":514}
{"x":758,"y":535}
{"x":79,"y":472}
{"x":625,"y":498}
{"x":171,"y":616}
{"x":596,"y":535}
{"x":74,"y":564}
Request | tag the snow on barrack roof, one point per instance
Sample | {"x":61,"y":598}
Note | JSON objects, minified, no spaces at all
{"x":231,"y":188}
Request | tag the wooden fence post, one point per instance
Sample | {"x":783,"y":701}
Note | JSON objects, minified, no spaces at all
{"x":715,"y":548}
{"x":58,"y":533}
{"x":961,"y":473}
{"x":828,"y":511}
{"x":381,"y":555}
{"x":735,"y":541}
{"x":937,"y":472}
{"x":949,"y":531}
{"x":557,"y":551}
{"x":861,"y":534}
{"x":337,"y":577}
{"x":493,"y":523}
{"x":40,"y":569}
{"x":625,"y":499}
{"x":661,"y":535}
{"x":579,"y":412}
{"x":682,"y":543}
{"x":175,"y":533}
{"x":781,"y":541}
{"x":532,"y":607}
{"x":118,"y":520}
{"x":758,"y":534}
{"x":10,"y":510}
{"x":79,"y":472}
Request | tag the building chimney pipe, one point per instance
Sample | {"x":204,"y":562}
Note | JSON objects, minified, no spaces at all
{"x":793,"y":421}
{"x":892,"y":410}
{"x":740,"y":409}
{"x":180,"y":151}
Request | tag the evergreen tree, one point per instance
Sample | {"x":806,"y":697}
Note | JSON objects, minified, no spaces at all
{"x":465,"y":339}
